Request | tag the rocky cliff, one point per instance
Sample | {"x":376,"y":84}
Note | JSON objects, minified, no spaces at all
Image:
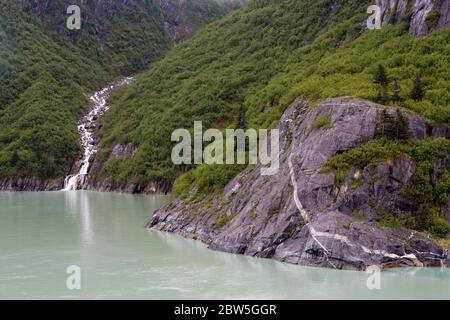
{"x":424,"y":16}
{"x":300,"y":215}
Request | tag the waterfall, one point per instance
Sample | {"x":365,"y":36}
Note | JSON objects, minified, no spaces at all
{"x":86,"y":129}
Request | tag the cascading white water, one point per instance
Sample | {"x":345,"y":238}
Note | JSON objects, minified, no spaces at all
{"x":86,"y":129}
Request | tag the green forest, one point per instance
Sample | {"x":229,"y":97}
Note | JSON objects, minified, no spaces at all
{"x":47,"y":73}
{"x":246,"y":69}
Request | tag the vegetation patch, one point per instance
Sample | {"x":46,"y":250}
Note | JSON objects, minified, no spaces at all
{"x":206,"y":179}
{"x":322,"y":122}
{"x":223,"y":220}
{"x":433,"y":18}
{"x":391,"y":221}
{"x":432,"y":195}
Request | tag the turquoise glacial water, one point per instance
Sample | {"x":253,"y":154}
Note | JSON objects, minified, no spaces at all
{"x":42,"y":234}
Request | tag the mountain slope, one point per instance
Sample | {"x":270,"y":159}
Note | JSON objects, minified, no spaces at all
{"x":128,"y":35}
{"x":244,"y":70}
{"x":46,"y":71}
{"x":42,"y":88}
{"x":185,"y":17}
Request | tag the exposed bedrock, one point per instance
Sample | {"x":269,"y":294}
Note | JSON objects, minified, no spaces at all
{"x":300,"y":215}
{"x":424,"y":16}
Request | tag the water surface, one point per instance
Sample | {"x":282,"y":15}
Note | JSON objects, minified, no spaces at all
{"x":41,"y":234}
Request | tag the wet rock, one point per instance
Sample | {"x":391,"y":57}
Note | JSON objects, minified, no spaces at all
{"x":299,"y":215}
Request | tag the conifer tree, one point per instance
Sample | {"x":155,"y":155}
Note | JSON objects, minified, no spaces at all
{"x":395,"y":92}
{"x":402,"y":126}
{"x":417,"y":92}
{"x":381,"y":77}
{"x":14,"y":158}
{"x":382,"y":97}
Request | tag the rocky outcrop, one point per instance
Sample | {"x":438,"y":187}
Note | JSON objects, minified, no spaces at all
{"x":30,"y":184}
{"x":440,"y":130}
{"x":424,"y":16}
{"x":392,"y":10}
{"x":299,"y":215}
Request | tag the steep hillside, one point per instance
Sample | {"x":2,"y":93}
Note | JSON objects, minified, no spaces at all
{"x":128,"y":35}
{"x":244,"y":70}
{"x":47,"y":70}
{"x":42,"y":87}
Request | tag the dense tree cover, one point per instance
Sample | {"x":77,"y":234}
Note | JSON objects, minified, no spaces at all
{"x":126,"y":36}
{"x":246,"y":69}
{"x":47,"y":71}
{"x":42,"y":87}
{"x":186,"y":17}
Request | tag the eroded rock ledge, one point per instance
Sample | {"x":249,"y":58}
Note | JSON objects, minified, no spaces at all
{"x":300,"y":216}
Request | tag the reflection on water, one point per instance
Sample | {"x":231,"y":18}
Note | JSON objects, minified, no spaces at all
{"x":78,"y":203}
{"x":41,"y":234}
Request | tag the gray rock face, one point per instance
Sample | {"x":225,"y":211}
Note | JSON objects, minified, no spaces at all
{"x":444,"y":19}
{"x":440,"y":130}
{"x":392,"y":10}
{"x":299,"y":216}
{"x":30,"y":184}
{"x":425,"y":15}
{"x":419,"y":26}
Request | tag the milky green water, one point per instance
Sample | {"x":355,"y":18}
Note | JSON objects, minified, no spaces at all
{"x":42,"y":234}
